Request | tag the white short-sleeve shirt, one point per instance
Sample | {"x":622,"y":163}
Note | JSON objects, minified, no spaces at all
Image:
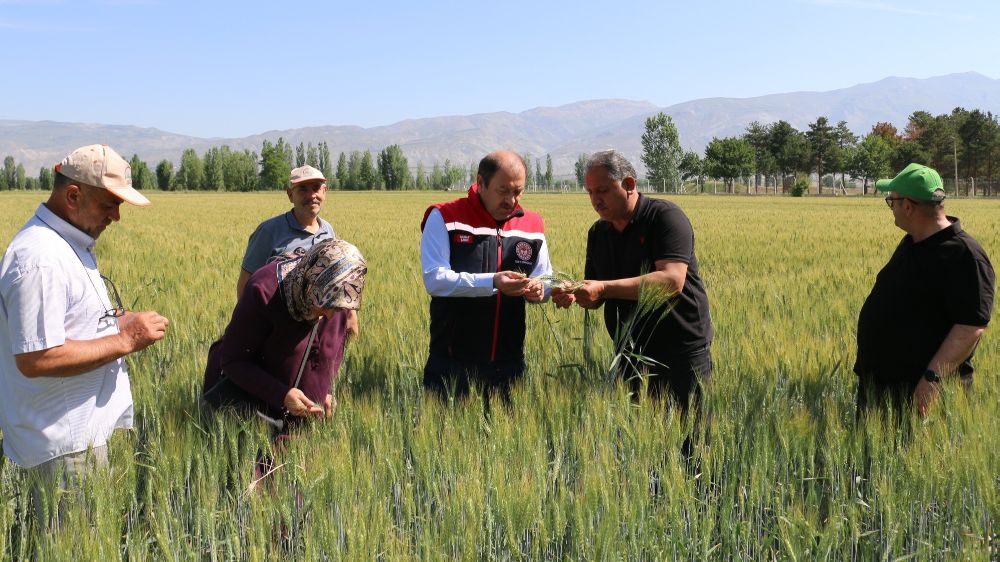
{"x":50,"y":292}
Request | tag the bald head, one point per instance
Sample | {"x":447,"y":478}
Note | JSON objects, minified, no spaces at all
{"x":506,"y":160}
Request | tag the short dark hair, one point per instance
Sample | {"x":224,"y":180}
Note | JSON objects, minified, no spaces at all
{"x":60,"y":181}
{"x":934,"y":206}
{"x":617,"y":166}
{"x":492,"y":162}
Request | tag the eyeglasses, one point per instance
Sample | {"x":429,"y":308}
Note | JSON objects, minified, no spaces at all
{"x":118,"y":309}
{"x":890,"y":199}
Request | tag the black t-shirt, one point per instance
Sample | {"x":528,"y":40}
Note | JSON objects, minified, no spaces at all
{"x":926,"y":288}
{"x":659,"y":231}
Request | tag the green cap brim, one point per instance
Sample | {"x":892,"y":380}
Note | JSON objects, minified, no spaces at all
{"x":883,"y":185}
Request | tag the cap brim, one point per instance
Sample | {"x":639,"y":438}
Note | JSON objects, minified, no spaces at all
{"x":130,"y":195}
{"x":883,"y":185}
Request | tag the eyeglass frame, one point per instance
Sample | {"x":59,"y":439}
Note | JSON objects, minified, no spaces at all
{"x":889,"y":199}
{"x":118,"y":309}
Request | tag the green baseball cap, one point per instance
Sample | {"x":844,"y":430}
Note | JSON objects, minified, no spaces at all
{"x":916,"y":181}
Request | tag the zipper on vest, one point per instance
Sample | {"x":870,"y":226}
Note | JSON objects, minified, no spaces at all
{"x":496,"y":318}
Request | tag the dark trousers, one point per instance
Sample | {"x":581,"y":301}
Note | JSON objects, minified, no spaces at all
{"x":445,"y":376}
{"x":893,"y":398}
{"x":680,"y":379}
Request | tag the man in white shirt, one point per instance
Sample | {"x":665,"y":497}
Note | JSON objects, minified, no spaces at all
{"x":63,"y":382}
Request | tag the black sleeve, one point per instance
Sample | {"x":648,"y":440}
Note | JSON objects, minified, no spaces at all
{"x":672,"y":237}
{"x":969,"y":294}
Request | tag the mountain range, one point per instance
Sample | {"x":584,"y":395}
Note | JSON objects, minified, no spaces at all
{"x":564,"y":132}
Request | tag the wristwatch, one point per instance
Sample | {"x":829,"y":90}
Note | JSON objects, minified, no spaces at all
{"x":930,"y":375}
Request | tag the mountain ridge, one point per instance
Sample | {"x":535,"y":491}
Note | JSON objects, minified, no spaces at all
{"x":563,"y":131}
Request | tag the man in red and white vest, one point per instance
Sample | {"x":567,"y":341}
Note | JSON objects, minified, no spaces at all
{"x":481,"y":256}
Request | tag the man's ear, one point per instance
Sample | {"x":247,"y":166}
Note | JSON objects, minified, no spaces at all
{"x":73,"y":195}
{"x":628,"y":182}
{"x":480,"y":182}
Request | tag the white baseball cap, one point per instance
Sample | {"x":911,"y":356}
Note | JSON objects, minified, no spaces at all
{"x":99,"y":165}
{"x":306,"y":173}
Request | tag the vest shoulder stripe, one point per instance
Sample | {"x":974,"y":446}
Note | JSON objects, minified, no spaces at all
{"x":485,"y":231}
{"x":524,"y":234}
{"x":478,"y":231}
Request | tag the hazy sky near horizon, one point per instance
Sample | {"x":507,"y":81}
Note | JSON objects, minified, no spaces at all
{"x":230,"y":69}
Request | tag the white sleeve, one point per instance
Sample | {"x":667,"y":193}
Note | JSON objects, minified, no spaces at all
{"x":439,"y":279}
{"x":35,"y":301}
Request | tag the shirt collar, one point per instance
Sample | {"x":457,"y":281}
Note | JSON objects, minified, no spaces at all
{"x":640,"y":207}
{"x":945,"y":233}
{"x":956,"y":225}
{"x":294,"y":224}
{"x":70,"y":233}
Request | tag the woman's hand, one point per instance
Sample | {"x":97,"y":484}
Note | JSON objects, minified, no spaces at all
{"x":353,"y":328}
{"x":299,"y":405}
{"x":330,"y":405}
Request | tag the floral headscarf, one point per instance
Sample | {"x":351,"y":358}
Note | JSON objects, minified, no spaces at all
{"x":330,"y":275}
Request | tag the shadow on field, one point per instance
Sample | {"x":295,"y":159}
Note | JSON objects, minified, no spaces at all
{"x":378,"y":377}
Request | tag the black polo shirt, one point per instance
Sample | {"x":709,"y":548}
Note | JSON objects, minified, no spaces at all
{"x":926,"y":288}
{"x":659,"y":231}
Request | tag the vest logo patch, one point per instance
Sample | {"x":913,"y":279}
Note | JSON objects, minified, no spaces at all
{"x":523,"y":251}
{"x":461,"y":238}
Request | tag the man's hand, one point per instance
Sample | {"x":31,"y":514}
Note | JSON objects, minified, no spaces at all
{"x":924,"y":396}
{"x":140,"y":329}
{"x":330,"y":405}
{"x":590,"y":295}
{"x":353,"y":328}
{"x":511,"y":283}
{"x":300,"y":406}
{"x":561,"y":297}
{"x":535,"y":291}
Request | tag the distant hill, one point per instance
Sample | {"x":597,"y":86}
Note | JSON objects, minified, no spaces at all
{"x":564,"y":132}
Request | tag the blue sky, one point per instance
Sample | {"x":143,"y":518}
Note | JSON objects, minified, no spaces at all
{"x":227,"y":69}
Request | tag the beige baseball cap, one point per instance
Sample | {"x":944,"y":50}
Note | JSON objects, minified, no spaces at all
{"x":306,"y":173}
{"x":100,"y":166}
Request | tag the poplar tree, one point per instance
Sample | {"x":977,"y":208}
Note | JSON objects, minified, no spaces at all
{"x":661,"y":151}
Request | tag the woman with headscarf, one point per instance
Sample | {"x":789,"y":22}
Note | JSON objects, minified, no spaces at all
{"x":285,"y":342}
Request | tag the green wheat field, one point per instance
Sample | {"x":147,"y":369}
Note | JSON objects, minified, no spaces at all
{"x":575,"y":470}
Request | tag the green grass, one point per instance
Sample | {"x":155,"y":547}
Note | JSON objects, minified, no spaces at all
{"x":567,"y":472}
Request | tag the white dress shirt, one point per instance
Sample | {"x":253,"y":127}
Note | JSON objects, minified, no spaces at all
{"x":50,"y":292}
{"x":441,"y":280}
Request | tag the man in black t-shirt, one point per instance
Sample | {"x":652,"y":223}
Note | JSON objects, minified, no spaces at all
{"x":645,"y":242}
{"x":930,"y":303}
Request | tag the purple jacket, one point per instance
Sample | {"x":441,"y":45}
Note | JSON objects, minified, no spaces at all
{"x":263,"y":346}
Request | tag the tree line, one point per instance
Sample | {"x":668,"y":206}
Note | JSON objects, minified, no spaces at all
{"x":224,"y":169}
{"x":963,"y":145}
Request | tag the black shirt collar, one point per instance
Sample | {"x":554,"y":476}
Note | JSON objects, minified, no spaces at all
{"x":946,"y":233}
